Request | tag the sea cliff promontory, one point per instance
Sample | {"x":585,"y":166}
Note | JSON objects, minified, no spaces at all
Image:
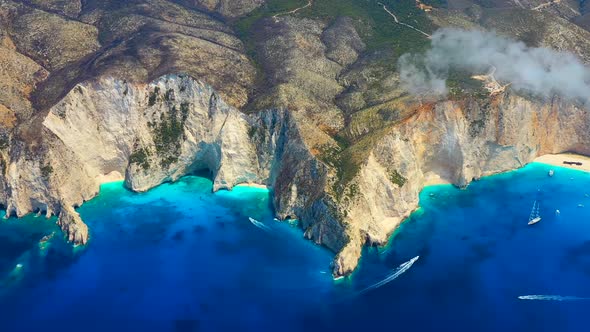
{"x":313,"y":104}
{"x":158,"y":132}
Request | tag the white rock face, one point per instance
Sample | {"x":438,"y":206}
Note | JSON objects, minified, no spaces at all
{"x":454,"y":143}
{"x":179,"y":124}
{"x":182,"y":118}
{"x":157,"y":132}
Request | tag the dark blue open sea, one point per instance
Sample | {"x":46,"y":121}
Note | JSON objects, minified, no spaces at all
{"x":180,"y":258}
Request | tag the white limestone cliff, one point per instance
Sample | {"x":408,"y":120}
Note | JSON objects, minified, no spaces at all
{"x":454,"y":142}
{"x":152,"y":133}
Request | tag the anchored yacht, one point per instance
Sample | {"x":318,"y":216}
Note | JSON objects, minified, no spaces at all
{"x":534,"y":217}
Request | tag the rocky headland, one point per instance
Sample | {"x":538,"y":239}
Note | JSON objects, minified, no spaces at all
{"x":158,"y":132}
{"x":307,"y":106}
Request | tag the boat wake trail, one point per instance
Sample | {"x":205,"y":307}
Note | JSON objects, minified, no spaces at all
{"x":552,"y":298}
{"x":259,"y":224}
{"x":396,"y":273}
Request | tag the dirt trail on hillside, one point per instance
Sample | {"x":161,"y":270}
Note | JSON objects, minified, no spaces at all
{"x":309,"y":3}
{"x":402,"y":23}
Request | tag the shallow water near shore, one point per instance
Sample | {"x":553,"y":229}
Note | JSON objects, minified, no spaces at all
{"x":180,"y":258}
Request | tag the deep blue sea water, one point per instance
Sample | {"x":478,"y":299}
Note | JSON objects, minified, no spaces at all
{"x":180,"y":258}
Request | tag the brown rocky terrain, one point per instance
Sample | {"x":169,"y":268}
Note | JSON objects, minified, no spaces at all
{"x":227,"y":8}
{"x":310,"y":103}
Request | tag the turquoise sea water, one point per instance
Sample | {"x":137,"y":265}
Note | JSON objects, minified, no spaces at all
{"x":180,"y":258}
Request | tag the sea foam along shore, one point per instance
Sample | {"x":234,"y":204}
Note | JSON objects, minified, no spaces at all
{"x":558,"y":159}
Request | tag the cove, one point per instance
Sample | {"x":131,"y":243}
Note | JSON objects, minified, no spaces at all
{"x":180,"y":258}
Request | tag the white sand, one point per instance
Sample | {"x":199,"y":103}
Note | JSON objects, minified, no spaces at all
{"x":253,"y":185}
{"x":431,"y":179}
{"x":558,"y":159}
{"x":113,"y":176}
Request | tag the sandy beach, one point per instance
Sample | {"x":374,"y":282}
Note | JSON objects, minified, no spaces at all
{"x":253,"y":185}
{"x":432,"y":179}
{"x":558,"y":159}
{"x":114,"y":176}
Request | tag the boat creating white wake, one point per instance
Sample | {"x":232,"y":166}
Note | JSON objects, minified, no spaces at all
{"x":552,"y":298}
{"x":259,"y":224}
{"x":396,"y":273}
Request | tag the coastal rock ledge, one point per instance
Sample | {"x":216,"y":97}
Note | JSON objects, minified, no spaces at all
{"x":176,"y":125}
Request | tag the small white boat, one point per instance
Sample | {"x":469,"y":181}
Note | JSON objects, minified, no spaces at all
{"x":551,"y":172}
{"x":557,"y":212}
{"x":392,"y":276}
{"x":534,"y":217}
{"x":259,"y":224}
{"x":552,"y":298}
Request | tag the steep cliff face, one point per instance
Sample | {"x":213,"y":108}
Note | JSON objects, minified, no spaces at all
{"x":452,"y":142}
{"x":147,"y":134}
{"x":109,"y":129}
{"x":156,"y":132}
{"x":285,"y":142}
{"x":310,"y":103}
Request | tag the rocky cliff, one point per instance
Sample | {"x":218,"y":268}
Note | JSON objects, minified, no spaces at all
{"x":151,"y":133}
{"x":309,"y":102}
{"x":451,"y":142}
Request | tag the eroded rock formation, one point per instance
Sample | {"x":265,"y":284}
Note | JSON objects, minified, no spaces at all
{"x":309,"y":103}
{"x":157,"y":132}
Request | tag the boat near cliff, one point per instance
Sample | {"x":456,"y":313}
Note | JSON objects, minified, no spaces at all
{"x":392,"y":276}
{"x":258,"y":224}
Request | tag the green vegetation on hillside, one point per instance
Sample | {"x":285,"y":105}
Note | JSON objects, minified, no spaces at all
{"x":460,"y":85}
{"x":397,"y":178}
{"x":140,"y":157}
{"x":375,"y":26}
{"x":378,"y":31}
{"x":46,"y":171}
{"x":4,"y":142}
{"x":154,"y":96}
{"x":167,"y":134}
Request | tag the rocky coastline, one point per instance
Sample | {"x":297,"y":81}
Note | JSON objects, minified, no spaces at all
{"x":177,"y":125}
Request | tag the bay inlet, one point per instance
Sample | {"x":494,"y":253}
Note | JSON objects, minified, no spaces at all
{"x":181,"y":258}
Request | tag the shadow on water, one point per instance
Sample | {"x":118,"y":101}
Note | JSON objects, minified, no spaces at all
{"x":178,"y":236}
{"x":578,"y":258}
{"x":199,"y":229}
{"x":481,"y":252}
{"x":187,"y":325}
{"x":224,"y":247}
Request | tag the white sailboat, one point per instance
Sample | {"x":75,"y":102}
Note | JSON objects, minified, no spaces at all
{"x":534,"y":217}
